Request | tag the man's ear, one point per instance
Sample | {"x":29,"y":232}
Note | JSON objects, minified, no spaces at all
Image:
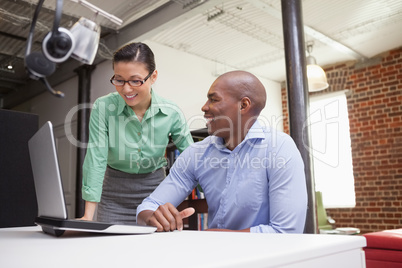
{"x":245,"y":105}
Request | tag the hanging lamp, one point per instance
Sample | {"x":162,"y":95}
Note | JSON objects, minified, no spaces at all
{"x":317,"y":80}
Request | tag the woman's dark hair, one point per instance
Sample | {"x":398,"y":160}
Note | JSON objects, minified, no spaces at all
{"x":139,"y":52}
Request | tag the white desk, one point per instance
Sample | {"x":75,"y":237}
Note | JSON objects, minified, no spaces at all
{"x":29,"y":247}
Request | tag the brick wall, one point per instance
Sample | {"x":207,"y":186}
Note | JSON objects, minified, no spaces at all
{"x":375,"y":115}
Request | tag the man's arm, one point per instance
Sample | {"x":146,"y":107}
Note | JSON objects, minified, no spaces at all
{"x":287,"y":191}
{"x":159,"y":208}
{"x":165,"y":218}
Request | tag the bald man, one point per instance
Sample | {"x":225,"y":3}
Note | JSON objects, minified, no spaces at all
{"x":252,"y":177}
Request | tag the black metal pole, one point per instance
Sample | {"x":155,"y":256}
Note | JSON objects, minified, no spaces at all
{"x":84,"y":90}
{"x":296,"y":81}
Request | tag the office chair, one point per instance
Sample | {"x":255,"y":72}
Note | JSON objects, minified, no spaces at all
{"x":326,"y":224}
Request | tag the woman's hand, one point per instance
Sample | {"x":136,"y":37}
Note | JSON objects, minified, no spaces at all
{"x":90,"y":208}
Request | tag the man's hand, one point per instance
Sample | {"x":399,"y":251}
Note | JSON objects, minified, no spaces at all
{"x":165,"y":218}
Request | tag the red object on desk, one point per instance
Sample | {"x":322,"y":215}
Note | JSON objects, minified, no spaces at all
{"x":384,"y":249}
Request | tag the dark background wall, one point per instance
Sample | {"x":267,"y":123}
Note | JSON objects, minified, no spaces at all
{"x":18,"y":205}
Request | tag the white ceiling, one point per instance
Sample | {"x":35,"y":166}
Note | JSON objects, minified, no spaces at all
{"x":237,"y":34}
{"x":247,"y":34}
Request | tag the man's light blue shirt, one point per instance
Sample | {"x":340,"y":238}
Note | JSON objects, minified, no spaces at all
{"x":260,"y":184}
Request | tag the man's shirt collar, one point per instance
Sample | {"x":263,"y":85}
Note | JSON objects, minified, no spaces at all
{"x":255,"y":132}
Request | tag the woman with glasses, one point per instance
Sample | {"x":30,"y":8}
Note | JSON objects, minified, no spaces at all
{"x":128,"y":134}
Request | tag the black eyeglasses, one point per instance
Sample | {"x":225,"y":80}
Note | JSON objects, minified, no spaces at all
{"x":133,"y":83}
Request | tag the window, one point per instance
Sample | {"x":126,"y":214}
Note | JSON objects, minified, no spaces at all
{"x":331,"y":149}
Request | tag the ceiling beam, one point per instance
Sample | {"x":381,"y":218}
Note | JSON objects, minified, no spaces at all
{"x":168,"y":15}
{"x":332,"y":43}
{"x":11,"y":82}
{"x":310,"y":31}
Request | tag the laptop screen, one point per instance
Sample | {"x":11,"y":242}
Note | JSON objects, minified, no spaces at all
{"x":46,"y":173}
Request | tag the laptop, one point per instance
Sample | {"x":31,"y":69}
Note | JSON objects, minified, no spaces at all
{"x":52,"y":210}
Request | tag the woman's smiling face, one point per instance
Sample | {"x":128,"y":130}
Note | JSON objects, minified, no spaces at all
{"x":134,"y":95}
